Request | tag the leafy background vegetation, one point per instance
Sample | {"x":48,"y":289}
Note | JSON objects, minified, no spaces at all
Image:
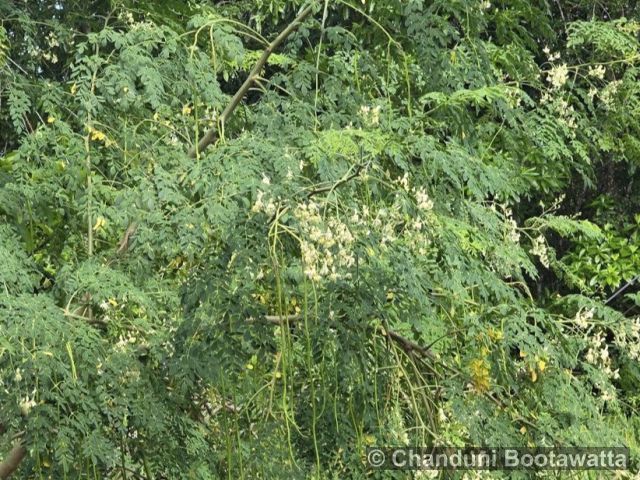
{"x":419,"y":226}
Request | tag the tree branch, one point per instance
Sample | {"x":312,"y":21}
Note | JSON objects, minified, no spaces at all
{"x":342,"y":181}
{"x":12,"y":461}
{"x":211,"y":135}
{"x":409,"y":346}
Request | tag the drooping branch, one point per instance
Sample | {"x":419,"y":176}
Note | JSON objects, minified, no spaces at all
{"x":12,"y":461}
{"x":406,"y":344}
{"x":211,"y":135}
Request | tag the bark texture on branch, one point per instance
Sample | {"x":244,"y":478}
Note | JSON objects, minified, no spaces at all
{"x":12,"y":461}
{"x":211,"y":135}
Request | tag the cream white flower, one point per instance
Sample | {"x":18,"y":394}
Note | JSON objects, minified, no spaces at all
{"x":423,"y":200}
{"x":582,"y":317}
{"x":539,"y":249}
{"x":26,"y":404}
{"x":597,"y":72}
{"x":259,"y":205}
{"x":558,"y":76}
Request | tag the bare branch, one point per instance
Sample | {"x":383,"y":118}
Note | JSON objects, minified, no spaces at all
{"x":409,"y":346}
{"x":211,"y":135}
{"x":12,"y":461}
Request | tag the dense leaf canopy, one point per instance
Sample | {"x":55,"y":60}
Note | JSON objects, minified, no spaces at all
{"x":249,"y":239}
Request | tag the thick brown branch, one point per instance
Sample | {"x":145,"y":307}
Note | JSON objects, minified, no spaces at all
{"x":125,"y":242}
{"x":409,"y":346}
{"x":12,"y":461}
{"x":211,"y":135}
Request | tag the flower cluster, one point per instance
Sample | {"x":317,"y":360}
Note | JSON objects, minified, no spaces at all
{"x":326,"y":246}
{"x":26,"y":404}
{"x":558,"y":76}
{"x":52,"y":40}
{"x":422,"y":199}
{"x":539,"y":249}
{"x":264,"y":206}
{"x":371,"y":115}
{"x":582,"y":318}
{"x":597,"y":72}
{"x":629,"y":339}
{"x":124,"y":342}
{"x":609,"y":92}
{"x":512,"y":230}
{"x":598,"y":355}
{"x":552,"y":57}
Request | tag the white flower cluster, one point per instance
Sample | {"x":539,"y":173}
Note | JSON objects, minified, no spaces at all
{"x":422,"y":199}
{"x":539,"y":249}
{"x":371,"y":115}
{"x":558,"y":76}
{"x":50,"y":57}
{"x":326,"y":246}
{"x":566,"y":113}
{"x":552,"y":57}
{"x":26,"y":404}
{"x":403,"y":181}
{"x":598,"y":355}
{"x":124,"y":342}
{"x":608,"y":93}
{"x":262,"y":205}
{"x":127,"y":16}
{"x":582,"y":318}
{"x":597,"y":72}
{"x":630,"y":340}
{"x":52,"y":40}
{"x":513,"y":233}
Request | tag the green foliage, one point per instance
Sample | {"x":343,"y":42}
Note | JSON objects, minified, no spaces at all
{"x":391,"y":242}
{"x":598,"y":265}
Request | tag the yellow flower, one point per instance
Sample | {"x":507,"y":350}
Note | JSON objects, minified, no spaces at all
{"x":73,"y":89}
{"x":542,"y":365}
{"x":100,"y":223}
{"x":369,"y":439}
{"x":186,"y":110}
{"x":97,"y":134}
{"x":51,"y":119}
{"x":495,"y":334}
{"x":480,"y":374}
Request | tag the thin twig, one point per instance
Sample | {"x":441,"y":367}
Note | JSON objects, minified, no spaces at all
{"x":342,"y":181}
